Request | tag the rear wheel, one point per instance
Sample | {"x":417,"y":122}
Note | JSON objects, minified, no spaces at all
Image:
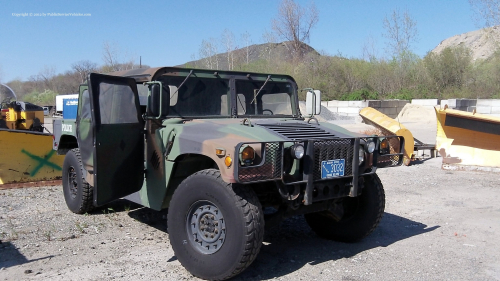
{"x":215,"y":228}
{"x":77,"y":191}
{"x":362,"y":215}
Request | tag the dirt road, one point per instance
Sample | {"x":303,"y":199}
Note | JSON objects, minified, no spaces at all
{"x":438,"y":225}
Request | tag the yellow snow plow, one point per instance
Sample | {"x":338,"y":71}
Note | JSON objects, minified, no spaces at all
{"x":27,"y":157}
{"x":389,"y":126}
{"x":468,"y":141}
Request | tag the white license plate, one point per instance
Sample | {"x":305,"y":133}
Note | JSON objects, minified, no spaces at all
{"x":332,"y":168}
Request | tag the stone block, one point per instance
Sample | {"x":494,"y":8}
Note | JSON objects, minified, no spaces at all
{"x":389,"y":103}
{"x":495,"y":110}
{"x":333,"y":108}
{"x":333,"y":103}
{"x":483,"y":109}
{"x":374,"y":103}
{"x":357,"y":103}
{"x":425,"y":102}
{"x":353,"y":110}
{"x":342,"y":103}
{"x":389,"y":111}
{"x":452,"y":103}
{"x":402,"y":103}
{"x":488,"y":102}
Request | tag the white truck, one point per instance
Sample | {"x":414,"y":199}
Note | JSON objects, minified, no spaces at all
{"x":60,"y":104}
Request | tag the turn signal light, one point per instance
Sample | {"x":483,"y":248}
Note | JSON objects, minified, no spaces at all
{"x":384,"y":147}
{"x":228,"y":161}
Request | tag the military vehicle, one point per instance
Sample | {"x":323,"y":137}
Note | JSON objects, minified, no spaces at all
{"x":226,"y":152}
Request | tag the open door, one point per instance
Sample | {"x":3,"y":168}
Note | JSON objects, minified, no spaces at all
{"x":118,"y":137}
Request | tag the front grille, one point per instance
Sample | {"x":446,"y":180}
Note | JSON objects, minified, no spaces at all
{"x":331,"y":150}
{"x":299,"y":131}
{"x":269,"y":169}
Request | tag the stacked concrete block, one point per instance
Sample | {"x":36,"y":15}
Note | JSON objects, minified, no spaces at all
{"x":425,"y":102}
{"x":392,"y":108}
{"x":461,"y":104}
{"x":350,"y":108}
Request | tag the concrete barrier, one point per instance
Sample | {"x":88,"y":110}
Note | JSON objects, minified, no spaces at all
{"x":392,"y":108}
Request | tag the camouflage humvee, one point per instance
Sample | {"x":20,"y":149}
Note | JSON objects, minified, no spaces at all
{"x":217,"y":148}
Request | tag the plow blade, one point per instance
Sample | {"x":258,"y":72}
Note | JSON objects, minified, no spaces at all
{"x":28,"y":157}
{"x":468,"y":141}
{"x":390,"y":126}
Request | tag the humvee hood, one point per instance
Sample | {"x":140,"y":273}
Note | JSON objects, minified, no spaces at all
{"x":197,"y":135}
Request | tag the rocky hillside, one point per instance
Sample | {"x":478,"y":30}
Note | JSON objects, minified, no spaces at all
{"x":267,"y":51}
{"x":482,"y":42}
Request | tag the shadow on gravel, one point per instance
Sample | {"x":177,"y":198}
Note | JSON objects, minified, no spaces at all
{"x":10,"y":256}
{"x":156,"y":219}
{"x":293,"y":245}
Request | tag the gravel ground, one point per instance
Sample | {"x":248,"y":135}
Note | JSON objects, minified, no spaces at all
{"x":438,"y":225}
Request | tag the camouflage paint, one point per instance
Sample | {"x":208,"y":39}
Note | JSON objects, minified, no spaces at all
{"x":202,"y":136}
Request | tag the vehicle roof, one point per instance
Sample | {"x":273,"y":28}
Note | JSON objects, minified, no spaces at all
{"x":150,"y":74}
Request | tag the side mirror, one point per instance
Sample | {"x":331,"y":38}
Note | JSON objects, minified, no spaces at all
{"x":313,"y":102}
{"x":158,"y":105}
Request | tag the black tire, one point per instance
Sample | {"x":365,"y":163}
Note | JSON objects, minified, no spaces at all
{"x":362,"y":215}
{"x":77,"y":191}
{"x":204,"y":205}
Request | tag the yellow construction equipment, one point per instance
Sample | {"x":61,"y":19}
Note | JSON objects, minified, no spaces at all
{"x":391,"y":127}
{"x":468,"y":141}
{"x":18,"y":115}
{"x":28,"y":156}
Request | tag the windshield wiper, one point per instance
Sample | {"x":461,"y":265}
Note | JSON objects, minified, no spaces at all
{"x":182,"y":84}
{"x":255,"y":96}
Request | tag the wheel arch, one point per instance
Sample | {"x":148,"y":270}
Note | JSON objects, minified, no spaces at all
{"x":183,"y":166}
{"x":66,"y":143}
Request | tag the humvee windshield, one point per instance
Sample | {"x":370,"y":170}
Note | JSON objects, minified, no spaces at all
{"x":209,"y":97}
{"x":273,"y":99}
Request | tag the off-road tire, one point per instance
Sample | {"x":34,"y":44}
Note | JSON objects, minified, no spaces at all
{"x":77,"y":191}
{"x":362,"y":215}
{"x":243,"y":222}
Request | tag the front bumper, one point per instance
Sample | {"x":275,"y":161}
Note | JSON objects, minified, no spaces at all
{"x":271,"y":161}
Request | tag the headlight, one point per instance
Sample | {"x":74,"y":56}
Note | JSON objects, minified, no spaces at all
{"x":297,"y":151}
{"x":384,"y":147}
{"x":370,"y":146}
{"x":247,"y":155}
{"x":361,"y":155}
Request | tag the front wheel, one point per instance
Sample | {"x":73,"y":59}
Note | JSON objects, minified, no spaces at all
{"x":216,"y":228}
{"x":77,"y":191}
{"x":362,"y":215}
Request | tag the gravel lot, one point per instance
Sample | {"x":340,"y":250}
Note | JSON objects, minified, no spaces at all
{"x":438,"y":225}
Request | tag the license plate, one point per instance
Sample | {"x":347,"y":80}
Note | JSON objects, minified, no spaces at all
{"x":332,"y":168}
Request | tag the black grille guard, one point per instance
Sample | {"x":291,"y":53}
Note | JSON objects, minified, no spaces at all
{"x":270,"y":166}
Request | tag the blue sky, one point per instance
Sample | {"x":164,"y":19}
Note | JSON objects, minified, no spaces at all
{"x":167,"y":33}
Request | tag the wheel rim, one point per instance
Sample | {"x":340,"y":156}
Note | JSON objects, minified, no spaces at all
{"x":206,"y":227}
{"x":72,"y":183}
